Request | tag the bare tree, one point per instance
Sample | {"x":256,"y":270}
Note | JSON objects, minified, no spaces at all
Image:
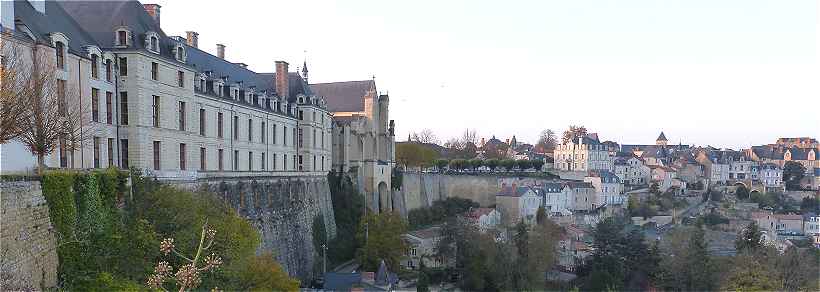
{"x":546,"y":141}
{"x":573,"y":133}
{"x":13,"y":76}
{"x":52,"y":113}
{"x":425,"y":136}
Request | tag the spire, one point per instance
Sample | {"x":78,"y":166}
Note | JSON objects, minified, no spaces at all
{"x":304,"y":67}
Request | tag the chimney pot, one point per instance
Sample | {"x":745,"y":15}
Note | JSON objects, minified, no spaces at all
{"x":192,"y":38}
{"x":153,"y":10}
{"x":220,"y":51}
{"x":281,"y":81}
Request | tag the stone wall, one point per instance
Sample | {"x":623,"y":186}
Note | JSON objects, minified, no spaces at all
{"x":422,"y":189}
{"x":282,"y":209}
{"x":28,"y":255}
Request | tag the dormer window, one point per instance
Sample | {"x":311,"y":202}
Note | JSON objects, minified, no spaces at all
{"x":95,"y":68}
{"x":60,"y":48}
{"x":180,"y":53}
{"x":122,"y":37}
{"x":154,"y":44}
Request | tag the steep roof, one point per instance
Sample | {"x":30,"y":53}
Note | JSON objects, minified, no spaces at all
{"x":347,"y":96}
{"x":56,"y":19}
{"x":426,"y":233}
{"x":661,"y":137}
{"x":514,"y":192}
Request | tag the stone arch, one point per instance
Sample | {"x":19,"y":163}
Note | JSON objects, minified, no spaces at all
{"x":740,"y":183}
{"x":385,"y":202}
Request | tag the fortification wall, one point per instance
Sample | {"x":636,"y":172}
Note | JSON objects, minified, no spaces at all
{"x":28,"y":245}
{"x":282,"y":209}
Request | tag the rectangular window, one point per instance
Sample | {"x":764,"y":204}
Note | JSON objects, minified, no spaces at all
{"x":156,"y":155}
{"x":301,"y":115}
{"x":181,"y":78}
{"x":95,"y":104}
{"x":274,"y":161}
{"x":301,"y":136}
{"x":284,"y":162}
{"x":294,"y":137}
{"x":182,"y":156}
{"x":263,"y":161}
{"x":220,"y":160}
{"x":124,"y":151}
{"x":250,"y":161}
{"x":202,"y":121}
{"x":95,"y":67}
{"x":219,"y":125}
{"x":285,"y":135}
{"x":250,"y":130}
{"x":236,"y":127}
{"x":108,"y":70}
{"x":323,"y":163}
{"x":61,"y":105}
{"x":236,"y":160}
{"x":123,"y":108}
{"x":110,"y":152}
{"x":154,"y":71}
{"x":123,"y":66}
{"x":274,"y":135}
{"x":182,"y":116}
{"x":263,"y":132}
{"x":202,"y":159}
{"x":63,"y":154}
{"x":109,"y":108}
{"x":122,"y":38}
{"x":314,"y":138}
{"x":96,"y":152}
{"x":155,"y":111}
{"x":300,"y":163}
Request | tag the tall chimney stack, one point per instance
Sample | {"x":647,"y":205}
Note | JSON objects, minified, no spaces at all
{"x":192,"y":38}
{"x":282,"y":88}
{"x":220,"y":51}
{"x":153,"y":10}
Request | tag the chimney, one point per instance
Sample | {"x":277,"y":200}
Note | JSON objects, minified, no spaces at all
{"x":192,"y":38}
{"x":220,"y":51}
{"x":153,"y":10}
{"x":282,"y":88}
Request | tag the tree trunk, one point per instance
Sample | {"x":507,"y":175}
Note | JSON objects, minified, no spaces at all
{"x":40,"y":164}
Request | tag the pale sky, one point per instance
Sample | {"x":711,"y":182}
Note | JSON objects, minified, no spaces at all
{"x":717,"y":72}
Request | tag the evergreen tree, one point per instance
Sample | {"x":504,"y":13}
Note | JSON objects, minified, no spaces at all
{"x":750,"y":238}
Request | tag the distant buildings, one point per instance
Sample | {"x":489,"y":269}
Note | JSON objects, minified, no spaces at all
{"x":583,"y":154}
{"x":422,"y":247}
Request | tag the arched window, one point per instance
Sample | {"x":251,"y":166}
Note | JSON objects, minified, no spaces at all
{"x":154,"y":44}
{"x":60,"y":55}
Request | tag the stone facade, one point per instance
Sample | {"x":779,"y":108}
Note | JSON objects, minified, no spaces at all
{"x":282,"y":209}
{"x":28,"y":253}
{"x":583,"y":154}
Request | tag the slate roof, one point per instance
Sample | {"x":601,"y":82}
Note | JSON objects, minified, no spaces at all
{"x":661,"y":137}
{"x":606,"y":176}
{"x":341,"y":281}
{"x":517,"y":192}
{"x":345,"y":96}
{"x":578,"y":185}
{"x":551,"y":187}
{"x":100,"y":19}
{"x":426,"y":233}
{"x":55,"y":20}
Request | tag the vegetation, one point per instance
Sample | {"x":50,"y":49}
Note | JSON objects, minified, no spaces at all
{"x":655,"y":203}
{"x":573,"y":133}
{"x":487,"y":264}
{"x":741,"y":192}
{"x":109,"y":242}
{"x":348,"y":208}
{"x":810,"y":204}
{"x":379,"y":238}
{"x":793,"y":173}
{"x":686,"y":264}
{"x":621,"y":257}
{"x":546,"y":141}
{"x":415,"y":155}
{"x":439,"y":212}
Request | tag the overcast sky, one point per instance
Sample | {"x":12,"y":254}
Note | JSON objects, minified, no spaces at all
{"x":717,"y":72}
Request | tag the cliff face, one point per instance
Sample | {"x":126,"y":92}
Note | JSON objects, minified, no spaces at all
{"x":283,"y":210}
{"x":422,"y":189}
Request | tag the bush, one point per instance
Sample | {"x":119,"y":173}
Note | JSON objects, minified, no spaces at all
{"x":439,"y":212}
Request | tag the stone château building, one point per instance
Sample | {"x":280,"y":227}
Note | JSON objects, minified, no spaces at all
{"x":161,"y":104}
{"x":583,"y":154}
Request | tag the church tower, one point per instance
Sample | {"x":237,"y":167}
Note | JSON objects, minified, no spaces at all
{"x":661,"y":141}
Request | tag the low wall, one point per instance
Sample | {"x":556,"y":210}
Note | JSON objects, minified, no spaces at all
{"x":282,"y":209}
{"x":28,"y":245}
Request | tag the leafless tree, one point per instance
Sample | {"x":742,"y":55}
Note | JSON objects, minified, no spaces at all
{"x":546,"y":141}
{"x":425,"y":136}
{"x":13,"y":76}
{"x":573,"y":133}
{"x":53,"y":112}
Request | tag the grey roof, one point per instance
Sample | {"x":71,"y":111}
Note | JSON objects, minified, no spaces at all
{"x":341,"y":281}
{"x":517,"y":192}
{"x":56,"y":19}
{"x":552,"y":187}
{"x":661,"y":137}
{"x":345,"y":96}
{"x":606,"y":176}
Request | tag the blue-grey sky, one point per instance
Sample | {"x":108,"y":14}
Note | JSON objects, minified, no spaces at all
{"x":728,"y":73}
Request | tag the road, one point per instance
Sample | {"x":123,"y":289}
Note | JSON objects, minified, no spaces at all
{"x":347,"y":267}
